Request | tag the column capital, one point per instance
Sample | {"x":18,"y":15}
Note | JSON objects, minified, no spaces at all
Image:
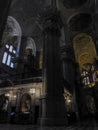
{"x":50,"y":19}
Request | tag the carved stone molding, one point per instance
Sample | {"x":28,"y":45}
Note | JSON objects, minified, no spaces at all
{"x":73,"y":3}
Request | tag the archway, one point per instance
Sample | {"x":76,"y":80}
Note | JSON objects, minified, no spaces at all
{"x":85,"y":54}
{"x":13,"y":29}
{"x":11,"y":41}
{"x":31,"y":45}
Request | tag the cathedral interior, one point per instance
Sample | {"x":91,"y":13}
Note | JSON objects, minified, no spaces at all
{"x":48,"y":61}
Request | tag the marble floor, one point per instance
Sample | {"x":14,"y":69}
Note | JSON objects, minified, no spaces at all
{"x":85,"y":125}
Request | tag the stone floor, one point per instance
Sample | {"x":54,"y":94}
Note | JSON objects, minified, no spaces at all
{"x":85,"y":125}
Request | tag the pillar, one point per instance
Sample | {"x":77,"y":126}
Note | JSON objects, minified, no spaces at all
{"x":95,"y":96}
{"x":68,"y":66}
{"x":53,"y":103}
{"x":69,"y":77}
{"x":18,"y":101}
{"x":4,"y":9}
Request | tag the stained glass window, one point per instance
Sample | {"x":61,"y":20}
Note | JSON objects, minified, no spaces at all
{"x":8,"y":54}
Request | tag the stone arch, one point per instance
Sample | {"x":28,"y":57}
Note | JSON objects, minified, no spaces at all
{"x":79,"y":21}
{"x":31,"y":45}
{"x":12,"y":33}
{"x":13,"y":26}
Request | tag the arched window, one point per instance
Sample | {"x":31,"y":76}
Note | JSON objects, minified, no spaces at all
{"x":85,"y":78}
{"x":25,"y":103}
{"x":8,"y":54}
{"x":11,"y":41}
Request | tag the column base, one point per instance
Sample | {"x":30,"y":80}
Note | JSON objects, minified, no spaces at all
{"x":53,"y":112}
{"x":53,"y":122}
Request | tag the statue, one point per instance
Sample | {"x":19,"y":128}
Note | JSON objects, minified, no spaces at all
{"x":5,"y":105}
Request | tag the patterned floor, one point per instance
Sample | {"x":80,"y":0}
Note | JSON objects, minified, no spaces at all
{"x":85,"y":125}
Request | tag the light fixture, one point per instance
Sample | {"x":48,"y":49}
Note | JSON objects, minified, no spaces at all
{"x":14,"y":96}
{"x":32,"y":90}
{"x":7,"y":94}
{"x":69,"y":101}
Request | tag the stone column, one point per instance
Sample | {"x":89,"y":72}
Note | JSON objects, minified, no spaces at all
{"x":68,"y":67}
{"x":53,"y":103}
{"x":95,"y":96}
{"x":4,"y":9}
{"x":69,"y":76}
{"x":18,"y":99}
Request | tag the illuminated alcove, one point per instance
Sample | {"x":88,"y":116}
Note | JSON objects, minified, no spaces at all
{"x":85,"y":54}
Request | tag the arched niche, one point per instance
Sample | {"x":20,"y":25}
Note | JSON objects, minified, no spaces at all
{"x":25,"y":103}
{"x":31,"y":45}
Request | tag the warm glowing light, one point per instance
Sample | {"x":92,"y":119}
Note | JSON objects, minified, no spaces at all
{"x":14,"y":96}
{"x":7,"y":94}
{"x":68,"y":100}
{"x":85,"y":51}
{"x":91,"y":84}
{"x":32,"y":90}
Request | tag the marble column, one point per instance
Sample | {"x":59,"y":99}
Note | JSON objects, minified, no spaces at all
{"x":53,"y":103}
{"x":4,"y":10}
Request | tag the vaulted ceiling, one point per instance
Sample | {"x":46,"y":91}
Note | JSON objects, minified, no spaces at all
{"x":77,"y":16}
{"x":26,"y":12}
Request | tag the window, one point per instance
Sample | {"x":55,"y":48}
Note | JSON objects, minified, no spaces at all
{"x":4,"y":58}
{"x":11,"y":48}
{"x":89,"y":77}
{"x":94,"y":76}
{"x":13,"y":37}
{"x":86,"y":81}
{"x":7,"y":46}
{"x":8,"y":54}
{"x":86,"y":78}
{"x":8,"y":60}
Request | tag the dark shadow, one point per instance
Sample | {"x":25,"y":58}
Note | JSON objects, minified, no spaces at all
{"x":36,"y":114}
